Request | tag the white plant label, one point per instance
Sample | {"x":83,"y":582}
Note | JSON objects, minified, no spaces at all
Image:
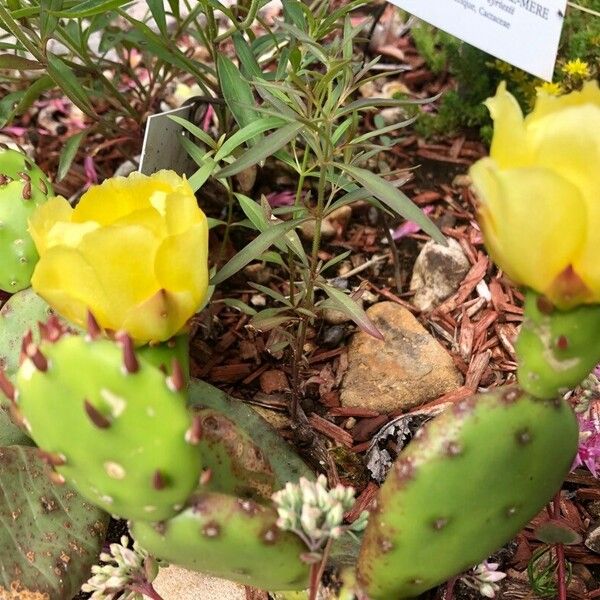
{"x":162,"y":148}
{"x":524,"y":33}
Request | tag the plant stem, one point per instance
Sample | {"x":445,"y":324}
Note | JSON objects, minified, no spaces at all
{"x":385,"y":225}
{"x":309,"y":297}
{"x":146,"y":589}
{"x":560,"y":555}
{"x":449,"y":591}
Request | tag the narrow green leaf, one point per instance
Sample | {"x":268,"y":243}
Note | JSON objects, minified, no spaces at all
{"x":293,"y":13}
{"x":398,"y":201}
{"x":68,"y":154}
{"x":11,"y":61}
{"x":157,"y":8}
{"x":250,"y":131}
{"x":194,"y":130}
{"x":236,"y":91}
{"x":370,"y":103}
{"x":241,"y":306}
{"x":335,"y":260}
{"x":68,"y":83}
{"x":264,"y":148}
{"x":91,"y":8}
{"x":341,"y":301}
{"x":271,"y":293}
{"x":198,"y":179}
{"x":248,"y":64}
{"x":253,"y":250}
{"x":212,"y":222}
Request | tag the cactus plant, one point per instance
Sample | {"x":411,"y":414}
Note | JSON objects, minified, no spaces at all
{"x":50,"y":537}
{"x":467,"y":483}
{"x":228,"y":537}
{"x":23,"y":187}
{"x":20,"y":314}
{"x":556,"y":349}
{"x":113,"y":424}
{"x":286,"y":464}
{"x":233,"y":463}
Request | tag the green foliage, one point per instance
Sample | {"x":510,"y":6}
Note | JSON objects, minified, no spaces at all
{"x":467,"y":483}
{"x":50,"y":537}
{"x":23,"y":187}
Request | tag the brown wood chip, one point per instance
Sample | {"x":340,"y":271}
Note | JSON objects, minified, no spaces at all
{"x":331,"y":430}
{"x":363,"y":502}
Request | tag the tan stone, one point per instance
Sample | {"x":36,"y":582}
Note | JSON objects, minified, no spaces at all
{"x":406,"y":370}
{"x":176,"y":583}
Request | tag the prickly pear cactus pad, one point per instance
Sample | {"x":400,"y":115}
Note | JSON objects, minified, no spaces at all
{"x":556,"y":349}
{"x":20,"y":314}
{"x":233,"y":463}
{"x":23,"y":187}
{"x":467,"y":483}
{"x":115,"y":426}
{"x":228,"y":537}
{"x":50,"y":537}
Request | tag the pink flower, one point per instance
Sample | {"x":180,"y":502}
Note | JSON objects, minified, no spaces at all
{"x":588,"y":453}
{"x":409,"y":227}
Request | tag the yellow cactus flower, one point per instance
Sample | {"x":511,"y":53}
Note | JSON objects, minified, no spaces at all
{"x":577,"y":68}
{"x":539,"y":193}
{"x":134,"y":252}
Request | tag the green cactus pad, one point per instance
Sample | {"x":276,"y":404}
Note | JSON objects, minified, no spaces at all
{"x":469,"y":481}
{"x":21,"y":313}
{"x":228,"y":537}
{"x":556,"y":349}
{"x":50,"y":537}
{"x":23,"y":187}
{"x":285,"y":462}
{"x":119,"y":424}
{"x":233,"y":463}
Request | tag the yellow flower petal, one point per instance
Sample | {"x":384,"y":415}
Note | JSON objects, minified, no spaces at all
{"x":44,"y":218}
{"x":509,"y":145}
{"x":117,"y":197}
{"x":123,"y":261}
{"x":160,"y":316}
{"x":69,"y":284}
{"x":537,"y":219}
{"x":177,"y":254}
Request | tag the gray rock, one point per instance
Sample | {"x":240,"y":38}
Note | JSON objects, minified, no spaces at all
{"x":407,"y":369}
{"x":437,"y":273}
{"x":592,"y":538}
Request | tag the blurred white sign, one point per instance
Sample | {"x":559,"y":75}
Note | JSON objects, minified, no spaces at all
{"x":524,"y":33}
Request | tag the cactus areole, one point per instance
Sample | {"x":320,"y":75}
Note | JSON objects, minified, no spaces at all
{"x":23,"y":187}
{"x":114,"y":425}
{"x":469,"y":481}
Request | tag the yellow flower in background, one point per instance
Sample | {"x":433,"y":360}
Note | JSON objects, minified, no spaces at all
{"x":577,"y":68}
{"x":554,"y":89}
{"x":134,"y":252}
{"x":539,"y":193}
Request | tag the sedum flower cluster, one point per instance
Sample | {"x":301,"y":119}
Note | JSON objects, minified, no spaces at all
{"x":124,"y":569}
{"x":484,"y":578}
{"x":314,"y":513}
